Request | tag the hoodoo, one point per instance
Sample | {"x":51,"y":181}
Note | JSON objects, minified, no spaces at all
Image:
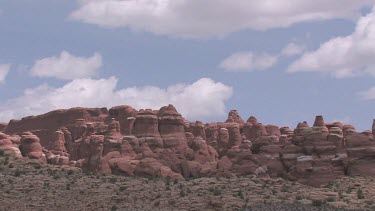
{"x":125,"y":141}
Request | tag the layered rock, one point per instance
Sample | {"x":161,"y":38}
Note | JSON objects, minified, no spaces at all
{"x":361,"y":154}
{"x":30,"y":146}
{"x":162,"y":143}
{"x":8,"y":147}
{"x":125,"y":115}
{"x":146,"y":128}
{"x":171,"y":127}
{"x":233,"y":115}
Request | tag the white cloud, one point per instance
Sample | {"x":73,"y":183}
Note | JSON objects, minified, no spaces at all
{"x":345,"y":120}
{"x":4,"y":70}
{"x":343,"y":56}
{"x":292,"y":49}
{"x":203,"y":98}
{"x":67,"y":66}
{"x":196,"y":19}
{"x":368,"y":95}
{"x":248,"y":61}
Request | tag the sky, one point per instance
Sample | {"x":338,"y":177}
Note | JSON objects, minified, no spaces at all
{"x":283,"y":61}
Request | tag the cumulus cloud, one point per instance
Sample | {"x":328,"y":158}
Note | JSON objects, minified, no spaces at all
{"x":4,"y":70}
{"x":368,"y":95}
{"x":196,"y":19}
{"x":248,"y":61}
{"x":67,"y":66}
{"x":292,"y":49}
{"x":203,"y":98}
{"x":346,"y":56}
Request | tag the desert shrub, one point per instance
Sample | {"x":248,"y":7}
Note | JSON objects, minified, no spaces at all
{"x":113,"y":208}
{"x":317,"y":203}
{"x":122,"y":188}
{"x":284,"y":188}
{"x":2,"y":153}
{"x":175,"y":181}
{"x":182,"y":193}
{"x":168,"y":181}
{"x":217,"y":191}
{"x":70,"y":172}
{"x":299,"y":197}
{"x":331,"y":199}
{"x":240,"y":194}
{"x":113,"y":180}
{"x":18,"y":172}
{"x":68,"y":186}
{"x":360,"y":194}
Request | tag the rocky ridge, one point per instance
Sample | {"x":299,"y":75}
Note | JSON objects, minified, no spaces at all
{"x":161,"y":143}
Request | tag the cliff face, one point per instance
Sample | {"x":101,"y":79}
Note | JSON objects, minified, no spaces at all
{"x":125,"y":141}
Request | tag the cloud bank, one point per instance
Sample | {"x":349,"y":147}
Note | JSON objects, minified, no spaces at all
{"x":203,"y":98}
{"x":210,"y":18}
{"x":4,"y":70}
{"x":346,"y":56}
{"x":248,"y":61}
{"x":67,"y":66}
{"x":251,"y":61}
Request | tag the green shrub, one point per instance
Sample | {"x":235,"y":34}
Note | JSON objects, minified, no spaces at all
{"x":113,"y":180}
{"x":70,"y":172}
{"x":122,"y":188}
{"x":331,"y":199}
{"x":18,"y":172}
{"x":182,"y":193}
{"x":360,"y":194}
{"x":217,"y":191}
{"x":240,"y":194}
{"x":317,"y":203}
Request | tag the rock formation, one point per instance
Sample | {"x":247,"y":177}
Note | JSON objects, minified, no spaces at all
{"x":130,"y":142}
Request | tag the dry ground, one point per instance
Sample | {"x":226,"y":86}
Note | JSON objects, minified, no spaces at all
{"x":29,"y":185}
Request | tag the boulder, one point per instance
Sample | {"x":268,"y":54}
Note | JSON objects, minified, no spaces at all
{"x":30,"y":146}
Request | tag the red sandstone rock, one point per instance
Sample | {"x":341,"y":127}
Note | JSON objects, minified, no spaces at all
{"x":319,"y":121}
{"x":199,"y":130}
{"x":125,"y":115}
{"x":162,"y":143}
{"x":57,"y":142}
{"x":171,"y":127}
{"x":254,"y":131}
{"x":233,"y":116}
{"x":7,"y":147}
{"x":273,"y":130}
{"x":146,"y":128}
{"x":3,"y":127}
{"x":252,"y":120}
{"x":30,"y":146}
{"x":152,"y":167}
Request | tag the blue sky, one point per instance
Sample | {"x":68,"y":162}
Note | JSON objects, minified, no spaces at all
{"x":205,"y":57}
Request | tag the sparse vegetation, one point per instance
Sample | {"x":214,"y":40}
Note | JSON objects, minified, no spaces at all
{"x":317,"y":203}
{"x":24,"y":182}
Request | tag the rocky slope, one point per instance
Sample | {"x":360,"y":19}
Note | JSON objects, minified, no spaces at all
{"x":161,"y":143}
{"x":28,"y":184}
